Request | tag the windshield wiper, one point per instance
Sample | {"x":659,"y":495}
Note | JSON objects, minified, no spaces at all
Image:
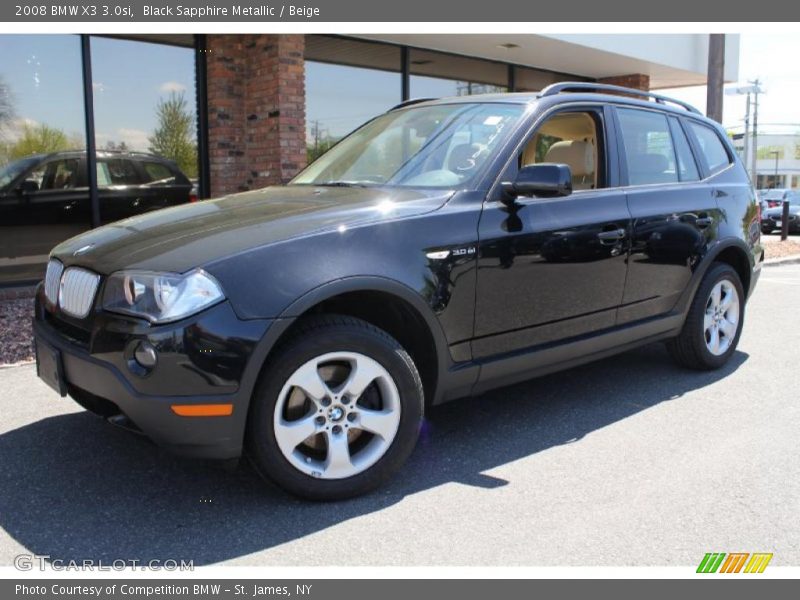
{"x":342,"y":184}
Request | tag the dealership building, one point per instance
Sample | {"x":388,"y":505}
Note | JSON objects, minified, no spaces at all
{"x":264,"y":104}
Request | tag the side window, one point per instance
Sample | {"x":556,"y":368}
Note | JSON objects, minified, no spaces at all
{"x":116,"y":171}
{"x":103,"y":176}
{"x":574,"y":139}
{"x":156,"y":171}
{"x":649,"y":152}
{"x":687,"y":168}
{"x":711,"y":146}
{"x":60,"y":175}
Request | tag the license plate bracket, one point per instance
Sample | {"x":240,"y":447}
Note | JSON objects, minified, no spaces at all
{"x":50,"y":367}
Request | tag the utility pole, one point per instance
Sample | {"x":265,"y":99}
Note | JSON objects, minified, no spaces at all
{"x":754,"y":165}
{"x":716,"y":76}
{"x":746,"y":154}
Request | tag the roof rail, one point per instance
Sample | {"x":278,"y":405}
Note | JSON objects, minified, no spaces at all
{"x":405,"y":103}
{"x":585,"y":86}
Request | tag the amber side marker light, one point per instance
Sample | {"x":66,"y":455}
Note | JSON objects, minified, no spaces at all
{"x":202,"y":410}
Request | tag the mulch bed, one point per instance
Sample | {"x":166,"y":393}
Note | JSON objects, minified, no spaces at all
{"x":16,"y":335}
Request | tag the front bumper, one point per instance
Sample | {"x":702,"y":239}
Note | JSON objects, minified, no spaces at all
{"x":772,"y":224}
{"x":211,"y":358}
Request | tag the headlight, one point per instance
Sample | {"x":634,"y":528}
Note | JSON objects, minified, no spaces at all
{"x":160,"y":297}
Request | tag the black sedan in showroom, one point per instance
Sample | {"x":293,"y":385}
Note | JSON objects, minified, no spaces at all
{"x":772,"y":219}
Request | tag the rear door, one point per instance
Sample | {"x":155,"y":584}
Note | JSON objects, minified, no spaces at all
{"x":164,"y":185}
{"x":119,"y":186}
{"x":674,"y":210}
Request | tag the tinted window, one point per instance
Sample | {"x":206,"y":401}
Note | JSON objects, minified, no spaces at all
{"x":687,"y":169}
{"x":649,"y":152}
{"x":156,"y":171}
{"x":711,"y":146}
{"x":116,"y":171}
{"x":58,"y":175}
{"x":13,"y":170}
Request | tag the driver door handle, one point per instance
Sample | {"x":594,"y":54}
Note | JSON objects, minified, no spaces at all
{"x":704,"y":222}
{"x":612,"y":236}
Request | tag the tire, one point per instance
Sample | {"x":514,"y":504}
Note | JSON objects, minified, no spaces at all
{"x":361,"y":428}
{"x":695,"y":346}
{"x":766,"y":231}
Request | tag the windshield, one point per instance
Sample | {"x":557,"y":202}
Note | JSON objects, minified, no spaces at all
{"x":442,"y":146}
{"x":13,"y":170}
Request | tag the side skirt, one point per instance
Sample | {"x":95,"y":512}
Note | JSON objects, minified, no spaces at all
{"x":535,"y":362}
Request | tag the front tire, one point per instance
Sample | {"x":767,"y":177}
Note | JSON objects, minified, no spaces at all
{"x":714,"y":324}
{"x":337,"y":411}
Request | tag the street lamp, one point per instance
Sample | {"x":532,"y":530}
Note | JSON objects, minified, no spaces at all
{"x":753,"y":88}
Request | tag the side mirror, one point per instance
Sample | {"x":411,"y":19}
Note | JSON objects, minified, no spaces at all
{"x":28,"y":187}
{"x":547,"y":180}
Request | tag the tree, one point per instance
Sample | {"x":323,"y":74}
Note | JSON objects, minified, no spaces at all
{"x":174,"y":136}
{"x":116,"y":146}
{"x":38,"y":139}
{"x":6,"y":104}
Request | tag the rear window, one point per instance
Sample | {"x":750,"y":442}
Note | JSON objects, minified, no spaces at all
{"x":116,"y":171}
{"x":649,"y":152}
{"x":156,"y":171}
{"x":711,"y":147}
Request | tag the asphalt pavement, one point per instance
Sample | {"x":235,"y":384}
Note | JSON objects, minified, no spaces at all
{"x":627,"y":461}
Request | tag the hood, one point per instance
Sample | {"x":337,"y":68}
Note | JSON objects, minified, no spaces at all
{"x":193,"y":235}
{"x":778,"y":211}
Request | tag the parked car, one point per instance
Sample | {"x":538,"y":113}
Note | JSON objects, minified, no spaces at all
{"x":443,"y":249}
{"x":775,"y":197}
{"x":772,"y":219}
{"x":44,"y":198}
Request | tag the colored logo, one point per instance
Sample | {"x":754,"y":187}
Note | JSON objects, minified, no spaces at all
{"x":735,"y":562}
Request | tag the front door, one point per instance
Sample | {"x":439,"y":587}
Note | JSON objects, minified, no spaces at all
{"x":550,"y":269}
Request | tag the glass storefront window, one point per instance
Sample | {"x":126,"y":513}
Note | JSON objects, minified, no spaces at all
{"x":144,"y":102}
{"x":348,"y":82}
{"x":436,"y":75}
{"x":535,"y":80}
{"x":43,"y":189}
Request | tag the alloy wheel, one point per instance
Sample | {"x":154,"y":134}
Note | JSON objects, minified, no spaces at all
{"x":337,"y":415}
{"x":721,"y":320}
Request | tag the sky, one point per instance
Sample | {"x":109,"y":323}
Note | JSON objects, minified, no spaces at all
{"x":773,"y":59}
{"x":44,"y":74}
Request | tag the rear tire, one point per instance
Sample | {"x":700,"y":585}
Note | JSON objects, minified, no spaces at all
{"x":337,"y":410}
{"x":714,"y":323}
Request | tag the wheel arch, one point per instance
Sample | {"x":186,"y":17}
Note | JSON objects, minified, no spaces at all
{"x":389,"y":305}
{"x":733,"y":252}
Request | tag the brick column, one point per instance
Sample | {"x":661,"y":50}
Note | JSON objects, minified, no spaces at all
{"x":637,"y":81}
{"x":256,"y":110}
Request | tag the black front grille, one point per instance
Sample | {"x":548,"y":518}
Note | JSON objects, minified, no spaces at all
{"x":74,"y":334}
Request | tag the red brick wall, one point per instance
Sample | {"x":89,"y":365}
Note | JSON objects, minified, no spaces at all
{"x":637,"y":81}
{"x":256,"y":110}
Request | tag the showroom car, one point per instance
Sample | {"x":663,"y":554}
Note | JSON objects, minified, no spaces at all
{"x":443,"y":249}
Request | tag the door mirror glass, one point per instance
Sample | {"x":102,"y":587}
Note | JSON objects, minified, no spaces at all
{"x":546,"y":180}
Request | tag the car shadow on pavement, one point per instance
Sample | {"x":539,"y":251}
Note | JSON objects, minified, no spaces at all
{"x":74,"y":488}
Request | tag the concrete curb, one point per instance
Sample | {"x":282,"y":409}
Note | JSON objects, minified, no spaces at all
{"x":784,"y":260}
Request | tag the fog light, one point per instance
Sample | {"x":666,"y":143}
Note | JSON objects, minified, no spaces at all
{"x":145,"y":355}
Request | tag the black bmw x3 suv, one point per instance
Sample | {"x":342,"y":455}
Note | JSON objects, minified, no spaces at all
{"x":444,"y":248}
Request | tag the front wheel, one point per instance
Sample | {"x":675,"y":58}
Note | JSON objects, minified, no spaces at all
{"x":337,"y":411}
{"x":714,"y":323}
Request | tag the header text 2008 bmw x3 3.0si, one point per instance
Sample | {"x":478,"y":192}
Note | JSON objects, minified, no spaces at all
{"x":442,"y":249}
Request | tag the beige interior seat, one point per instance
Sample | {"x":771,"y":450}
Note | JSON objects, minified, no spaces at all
{"x":579,"y":156}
